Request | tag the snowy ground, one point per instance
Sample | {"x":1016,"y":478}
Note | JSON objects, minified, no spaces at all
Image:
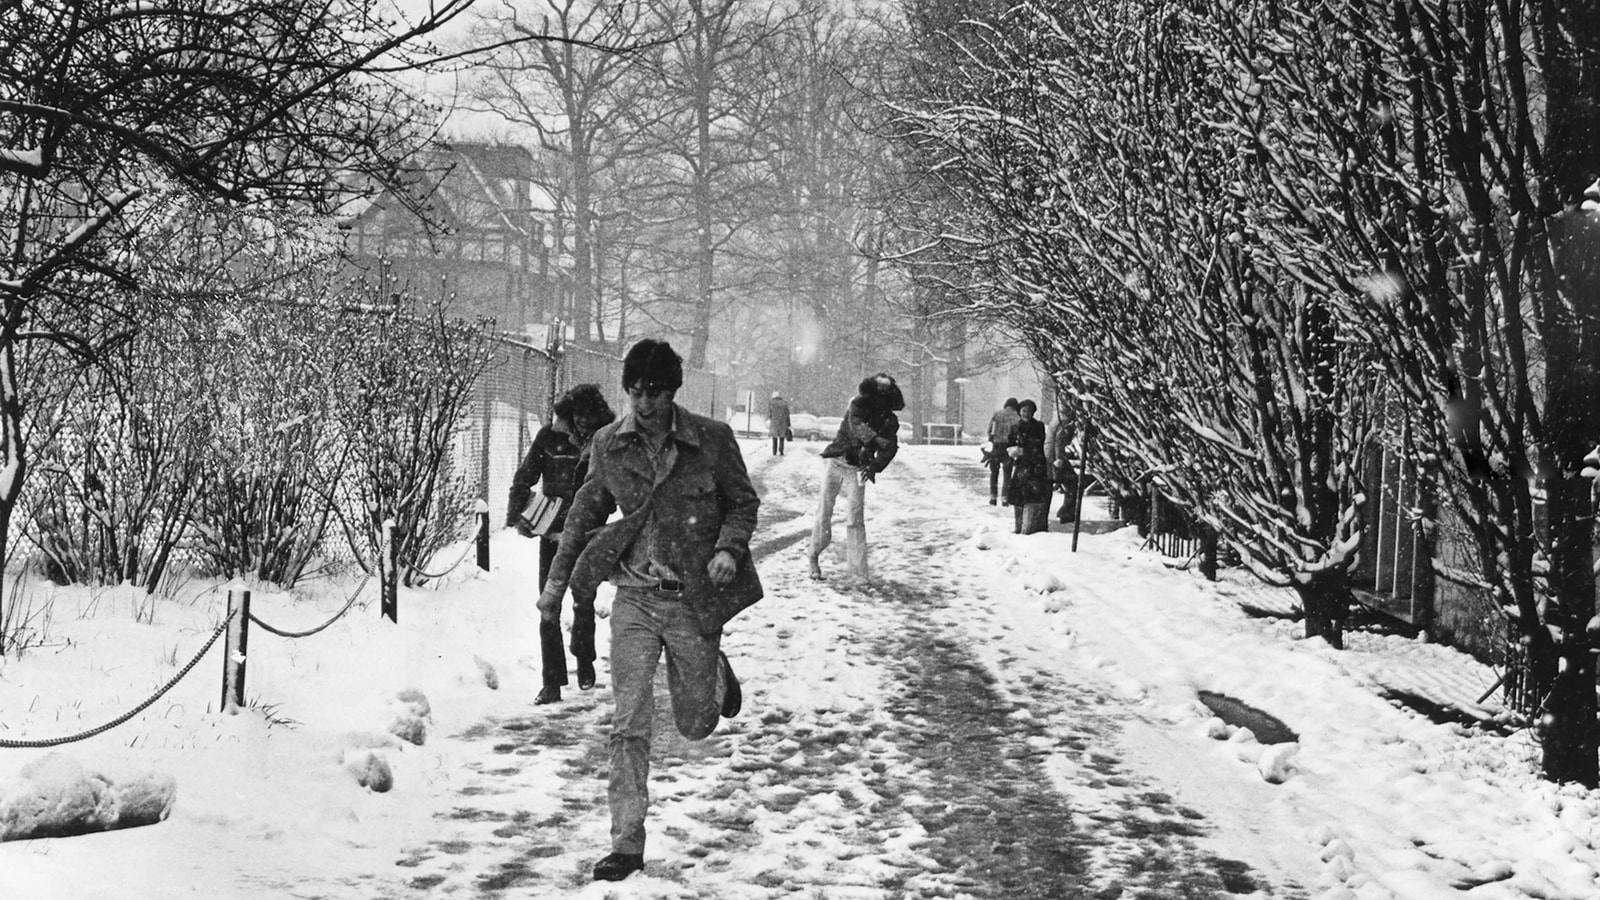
{"x":994,"y":716}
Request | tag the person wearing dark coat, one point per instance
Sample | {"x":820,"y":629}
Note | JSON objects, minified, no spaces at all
{"x":866,"y":443}
{"x":1030,"y":488}
{"x":680,"y":560}
{"x":778,"y":422}
{"x":557,"y":464}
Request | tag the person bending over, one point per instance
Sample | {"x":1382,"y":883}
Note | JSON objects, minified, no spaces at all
{"x":866,"y":443}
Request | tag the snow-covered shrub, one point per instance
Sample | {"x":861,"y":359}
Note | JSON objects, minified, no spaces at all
{"x":117,"y":448}
{"x":410,"y":389}
{"x":277,"y":454}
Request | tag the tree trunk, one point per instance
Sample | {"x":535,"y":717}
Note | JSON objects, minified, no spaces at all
{"x":13,"y":466}
{"x":703,"y":197}
{"x":1563,"y":668}
{"x":582,"y":312}
{"x":1570,"y":34}
{"x":1424,"y":583}
{"x":1325,"y":597}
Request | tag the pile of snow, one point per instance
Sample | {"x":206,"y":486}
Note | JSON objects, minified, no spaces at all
{"x":56,"y":796}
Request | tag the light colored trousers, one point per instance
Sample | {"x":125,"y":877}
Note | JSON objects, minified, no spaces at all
{"x":838,"y":475}
{"x":643,"y":623}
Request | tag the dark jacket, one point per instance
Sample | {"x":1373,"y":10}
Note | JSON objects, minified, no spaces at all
{"x":1030,"y":479}
{"x":868,"y":436}
{"x":704,"y":504}
{"x":557,"y":460}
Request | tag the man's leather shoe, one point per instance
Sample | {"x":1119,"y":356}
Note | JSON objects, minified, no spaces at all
{"x":617,"y":866}
{"x":547,"y":695}
{"x":585,"y":675}
{"x":732,"y":697}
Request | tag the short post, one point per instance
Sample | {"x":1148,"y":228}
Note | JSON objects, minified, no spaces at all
{"x":483,"y":534}
{"x":1208,"y":552}
{"x":389,"y":569}
{"x":234,"y":650}
{"x":1082,"y":485}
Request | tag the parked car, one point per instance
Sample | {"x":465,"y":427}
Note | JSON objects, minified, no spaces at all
{"x":804,"y":426}
{"x":828,"y":427}
{"x":905,"y":433}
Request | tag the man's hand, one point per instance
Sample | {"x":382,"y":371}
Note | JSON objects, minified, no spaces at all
{"x":722,"y":568}
{"x":523,"y":528}
{"x":864,"y":475}
{"x":549,"y":606}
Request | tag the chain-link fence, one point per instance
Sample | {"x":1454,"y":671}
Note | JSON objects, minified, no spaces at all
{"x":515,"y":395}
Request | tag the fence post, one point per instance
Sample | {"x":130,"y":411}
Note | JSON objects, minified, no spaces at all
{"x":486,"y":407}
{"x":483,"y":534}
{"x":389,"y":569}
{"x":1208,"y":552}
{"x":235,"y":649}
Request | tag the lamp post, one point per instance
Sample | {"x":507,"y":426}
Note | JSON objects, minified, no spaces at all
{"x":961,"y":406}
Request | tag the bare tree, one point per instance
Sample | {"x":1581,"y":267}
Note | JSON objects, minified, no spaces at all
{"x":560,"y":72}
{"x":810,"y":252}
{"x":107,"y":109}
{"x":704,"y":129}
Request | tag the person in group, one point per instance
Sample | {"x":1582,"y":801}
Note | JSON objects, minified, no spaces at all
{"x":556,"y":462}
{"x":1064,"y":472}
{"x":866,"y":443}
{"x":1001,"y":425}
{"x":680,"y":560}
{"x":1029,"y":490}
{"x":778,"y":422}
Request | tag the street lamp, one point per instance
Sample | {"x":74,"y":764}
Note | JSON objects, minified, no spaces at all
{"x":961,"y":408}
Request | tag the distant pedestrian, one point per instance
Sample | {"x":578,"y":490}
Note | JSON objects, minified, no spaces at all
{"x":680,"y":559}
{"x":778,"y":422}
{"x":556,"y":463}
{"x":1030,"y":488}
{"x":1001,"y":426}
{"x":866,"y":443}
{"x":1064,"y":471}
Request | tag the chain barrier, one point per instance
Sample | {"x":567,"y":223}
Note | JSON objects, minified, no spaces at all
{"x":85,"y":735}
{"x":471,"y":547}
{"x":336,"y":616}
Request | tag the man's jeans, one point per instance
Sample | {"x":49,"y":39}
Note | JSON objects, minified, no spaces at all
{"x":643,"y":622}
{"x":839,"y":475}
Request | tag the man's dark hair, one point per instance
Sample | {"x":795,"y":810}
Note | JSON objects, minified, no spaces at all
{"x":652,"y":365}
{"x":883,"y":392}
{"x":583,"y":400}
{"x":1011,"y":403}
{"x":1032,"y":406}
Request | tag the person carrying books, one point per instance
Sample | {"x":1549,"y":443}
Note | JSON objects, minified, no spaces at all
{"x":557,"y":463}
